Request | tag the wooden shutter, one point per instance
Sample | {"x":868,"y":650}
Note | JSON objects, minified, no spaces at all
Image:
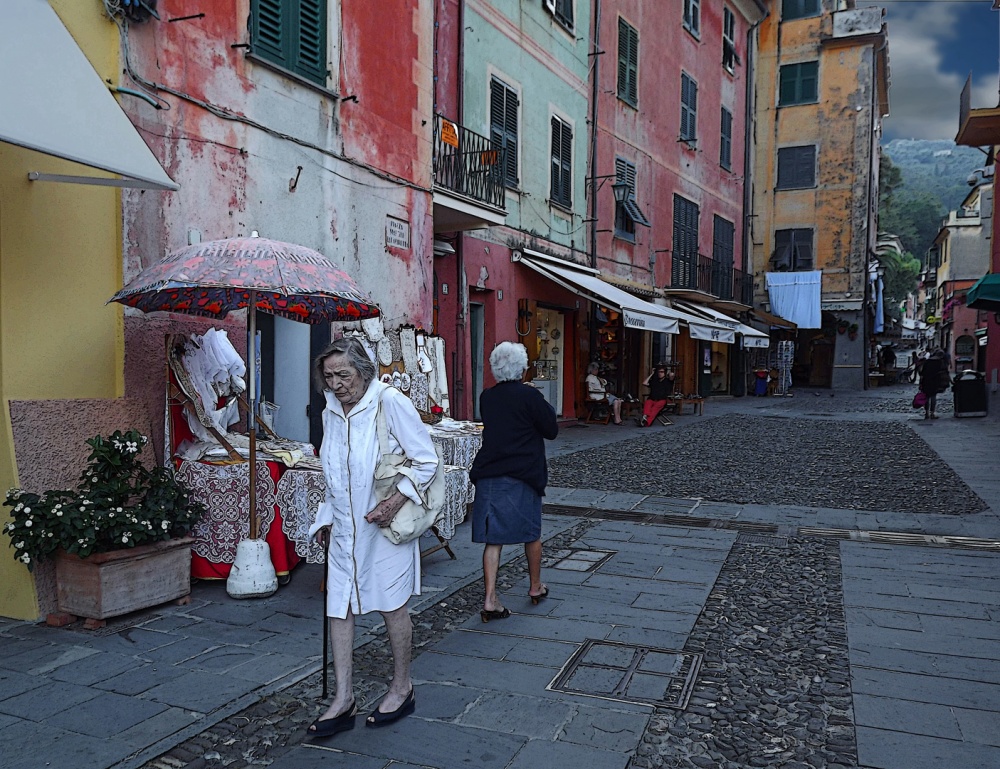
{"x":689,"y":108}
{"x":269,"y":29}
{"x":311,"y":40}
{"x":503,"y":127}
{"x":628,"y":62}
{"x":726,"y":146}
{"x":562,"y":153}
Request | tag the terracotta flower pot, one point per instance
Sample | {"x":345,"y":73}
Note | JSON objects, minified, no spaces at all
{"x":109,"y":584}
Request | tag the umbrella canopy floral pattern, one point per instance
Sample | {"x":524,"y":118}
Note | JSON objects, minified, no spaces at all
{"x":217,"y":277}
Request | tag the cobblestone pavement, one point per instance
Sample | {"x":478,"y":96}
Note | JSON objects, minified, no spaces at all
{"x":774,"y":689}
{"x":752,"y":459}
{"x":775,"y":686}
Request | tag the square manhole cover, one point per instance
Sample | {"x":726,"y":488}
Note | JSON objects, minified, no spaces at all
{"x":577,"y":559}
{"x":663,"y":678}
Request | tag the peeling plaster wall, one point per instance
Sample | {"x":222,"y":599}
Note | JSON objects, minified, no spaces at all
{"x":313,"y":170}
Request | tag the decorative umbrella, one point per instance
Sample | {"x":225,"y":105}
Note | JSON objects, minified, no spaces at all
{"x":217,"y":277}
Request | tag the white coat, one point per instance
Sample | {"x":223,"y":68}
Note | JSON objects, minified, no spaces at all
{"x":366,"y":571}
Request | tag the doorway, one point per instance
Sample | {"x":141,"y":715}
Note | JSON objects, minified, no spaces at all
{"x":477,"y":353}
{"x":551,"y":341}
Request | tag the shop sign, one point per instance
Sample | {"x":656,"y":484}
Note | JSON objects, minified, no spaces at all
{"x":397,"y":233}
{"x":449,"y":133}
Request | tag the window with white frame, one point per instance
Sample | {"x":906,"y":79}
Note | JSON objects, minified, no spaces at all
{"x":729,"y":57}
{"x":692,"y":17}
{"x":561,"y":179}
{"x":562,"y":10}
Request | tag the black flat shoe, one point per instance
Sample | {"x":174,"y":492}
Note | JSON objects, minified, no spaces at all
{"x":487,"y":614}
{"x":377,"y":718}
{"x":535,"y":599}
{"x":327,"y":727}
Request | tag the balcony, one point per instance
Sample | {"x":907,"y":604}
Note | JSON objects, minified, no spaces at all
{"x":708,"y":281}
{"x":469,"y":190}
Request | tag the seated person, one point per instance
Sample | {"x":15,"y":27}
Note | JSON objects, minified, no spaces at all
{"x":661,"y":386}
{"x":597,"y":390}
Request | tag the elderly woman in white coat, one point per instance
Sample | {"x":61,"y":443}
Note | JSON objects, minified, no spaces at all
{"x":365,"y":571}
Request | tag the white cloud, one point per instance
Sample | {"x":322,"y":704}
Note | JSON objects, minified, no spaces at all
{"x":923,"y":100}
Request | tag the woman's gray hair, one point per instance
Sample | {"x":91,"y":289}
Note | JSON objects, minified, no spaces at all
{"x":593,"y":368}
{"x":356,"y":354}
{"x":509,"y":361}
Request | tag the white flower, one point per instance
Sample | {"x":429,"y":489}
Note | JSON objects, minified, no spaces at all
{"x":125,"y":539}
{"x":28,"y":523}
{"x":26,"y":558}
{"x":19,"y":545}
{"x":81,"y":541}
{"x":58,"y":513}
{"x":119,"y":510}
{"x":111,"y":515}
{"x":117,"y":444}
{"x":132,"y":448}
{"x":165,"y":525}
{"x":50,"y":534}
{"x":144,"y":439}
{"x":19,"y":507}
{"x":27,"y":509}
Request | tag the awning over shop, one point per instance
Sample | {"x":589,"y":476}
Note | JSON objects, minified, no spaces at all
{"x":751,"y":336}
{"x":985,"y":293}
{"x":52,"y":101}
{"x":773,"y":321}
{"x":636,"y":312}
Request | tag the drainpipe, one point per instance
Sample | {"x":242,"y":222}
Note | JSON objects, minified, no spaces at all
{"x":594,"y":77}
{"x":461,"y":348}
{"x":739,"y":388}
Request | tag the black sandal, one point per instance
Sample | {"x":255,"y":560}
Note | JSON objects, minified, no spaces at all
{"x":487,"y":614}
{"x":377,"y":718}
{"x":327,"y":727}
{"x":535,"y":599}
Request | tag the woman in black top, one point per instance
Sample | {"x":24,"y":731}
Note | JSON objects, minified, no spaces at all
{"x":661,"y":386}
{"x":510,"y":473}
{"x":933,"y":380}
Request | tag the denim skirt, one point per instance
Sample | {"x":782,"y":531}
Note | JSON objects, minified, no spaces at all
{"x":506,"y":511}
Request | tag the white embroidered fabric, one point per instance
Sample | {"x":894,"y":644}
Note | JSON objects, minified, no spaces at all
{"x":225,"y":492}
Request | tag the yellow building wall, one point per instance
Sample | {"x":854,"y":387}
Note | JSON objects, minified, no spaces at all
{"x":60,"y":260}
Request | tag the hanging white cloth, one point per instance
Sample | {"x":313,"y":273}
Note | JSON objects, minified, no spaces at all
{"x":795,"y":296}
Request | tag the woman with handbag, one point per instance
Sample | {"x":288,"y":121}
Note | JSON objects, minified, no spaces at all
{"x":510,"y":473}
{"x":366,"y":570}
{"x":934,"y":379}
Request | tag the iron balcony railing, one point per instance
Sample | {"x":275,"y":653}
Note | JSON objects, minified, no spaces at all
{"x":710,"y":276}
{"x":468,"y":164}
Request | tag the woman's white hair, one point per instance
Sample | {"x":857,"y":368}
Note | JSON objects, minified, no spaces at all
{"x":509,"y":361}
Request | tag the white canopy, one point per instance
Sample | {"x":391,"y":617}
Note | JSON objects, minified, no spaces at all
{"x":751,"y":336}
{"x":52,"y":101}
{"x":636,"y":313}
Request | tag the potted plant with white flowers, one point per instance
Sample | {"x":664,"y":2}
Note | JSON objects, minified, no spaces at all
{"x":119,"y":539}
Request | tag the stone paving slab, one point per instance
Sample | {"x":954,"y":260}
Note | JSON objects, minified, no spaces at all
{"x":312,"y":757}
{"x":884,"y":749}
{"x":560,"y":755}
{"x":925,"y":663}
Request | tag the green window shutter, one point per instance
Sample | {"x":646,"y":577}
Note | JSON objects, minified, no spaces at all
{"x":269,"y":29}
{"x":628,"y":62}
{"x":291,"y":34}
{"x":503,"y":127}
{"x":311,"y":58}
{"x":726,"y":144}
{"x":562,"y":162}
{"x":689,"y":108}
{"x":798,"y":83}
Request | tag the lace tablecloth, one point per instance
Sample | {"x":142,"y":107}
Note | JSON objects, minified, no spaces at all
{"x":224,"y":489}
{"x":457,"y":443}
{"x":299,"y":493}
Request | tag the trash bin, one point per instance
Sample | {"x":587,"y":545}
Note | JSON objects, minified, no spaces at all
{"x":969,"y":388}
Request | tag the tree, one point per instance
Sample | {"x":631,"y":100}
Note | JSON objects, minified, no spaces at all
{"x":902,"y":271}
{"x":914,"y":217}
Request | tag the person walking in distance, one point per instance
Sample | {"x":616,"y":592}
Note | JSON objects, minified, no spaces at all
{"x":933,"y":380}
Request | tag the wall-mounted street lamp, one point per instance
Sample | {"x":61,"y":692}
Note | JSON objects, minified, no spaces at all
{"x":621,"y":190}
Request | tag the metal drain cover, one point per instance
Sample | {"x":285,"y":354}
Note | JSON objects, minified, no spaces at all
{"x":761,"y":539}
{"x":577,"y":559}
{"x":646,"y":675}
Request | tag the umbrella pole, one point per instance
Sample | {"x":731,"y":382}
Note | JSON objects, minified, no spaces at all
{"x":252,"y":416}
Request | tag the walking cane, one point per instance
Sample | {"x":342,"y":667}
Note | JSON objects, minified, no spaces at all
{"x":326,"y":622}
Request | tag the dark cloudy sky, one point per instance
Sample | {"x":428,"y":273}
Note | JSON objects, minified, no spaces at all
{"x":934,"y":45}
